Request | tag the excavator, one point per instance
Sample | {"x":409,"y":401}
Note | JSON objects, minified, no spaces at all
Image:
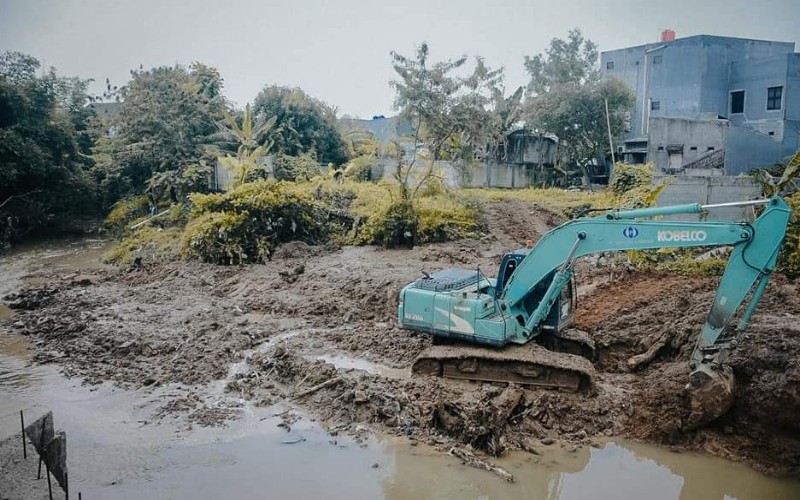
{"x":515,"y":328}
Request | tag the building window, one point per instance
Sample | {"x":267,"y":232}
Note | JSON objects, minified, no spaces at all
{"x":710,"y":148}
{"x":737,"y":102}
{"x":693,"y":148}
{"x":661,"y":148}
{"x":774,"y":97}
{"x":655,"y":105}
{"x":657,"y":59}
{"x":610,"y":65}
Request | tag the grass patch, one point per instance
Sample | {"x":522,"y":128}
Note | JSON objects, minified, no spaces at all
{"x":148,"y":242}
{"x":554,"y":199}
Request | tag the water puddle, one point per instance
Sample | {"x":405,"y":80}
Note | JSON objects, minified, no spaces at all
{"x":344,"y":362}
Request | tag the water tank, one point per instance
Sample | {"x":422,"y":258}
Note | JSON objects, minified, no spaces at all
{"x":667,"y":35}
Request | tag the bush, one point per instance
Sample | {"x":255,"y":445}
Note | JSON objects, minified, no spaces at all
{"x":626,"y":177}
{"x":126,"y":212}
{"x":444,"y":218}
{"x":148,"y":242}
{"x":360,"y":168}
{"x":247,"y":223}
{"x":631,"y":185}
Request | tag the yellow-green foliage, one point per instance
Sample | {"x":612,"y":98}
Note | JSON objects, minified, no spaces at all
{"x":245,"y":224}
{"x":631,"y":185}
{"x":359,"y":168}
{"x":148,"y":242}
{"x":378,"y":213}
{"x":127,"y":212}
{"x":689,"y":266}
{"x":443,"y":218}
{"x":554,"y":199}
{"x":789,"y":260}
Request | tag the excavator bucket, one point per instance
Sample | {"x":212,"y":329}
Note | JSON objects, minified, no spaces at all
{"x":711,"y":395}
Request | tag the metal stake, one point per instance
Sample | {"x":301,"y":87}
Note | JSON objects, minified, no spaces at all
{"x":49,"y":485}
{"x":41,"y":443}
{"x":24,"y":446}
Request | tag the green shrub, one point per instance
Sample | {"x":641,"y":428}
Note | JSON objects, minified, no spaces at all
{"x":127,"y":212}
{"x":245,"y":224}
{"x":444,"y":218}
{"x":360,"y":168}
{"x":626,"y":177}
{"x":148,"y":242}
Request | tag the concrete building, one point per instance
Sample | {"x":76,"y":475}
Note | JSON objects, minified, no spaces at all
{"x":709,"y":102}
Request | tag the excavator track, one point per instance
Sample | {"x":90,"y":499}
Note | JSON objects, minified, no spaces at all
{"x":530,"y":364}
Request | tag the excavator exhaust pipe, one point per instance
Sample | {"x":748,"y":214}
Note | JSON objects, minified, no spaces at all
{"x":711,"y":394}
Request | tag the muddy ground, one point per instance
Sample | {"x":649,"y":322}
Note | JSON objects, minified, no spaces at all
{"x":316,"y":327}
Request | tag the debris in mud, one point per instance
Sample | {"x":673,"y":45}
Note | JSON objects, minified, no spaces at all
{"x":30,"y":298}
{"x":470,"y":459}
{"x":482,"y":426}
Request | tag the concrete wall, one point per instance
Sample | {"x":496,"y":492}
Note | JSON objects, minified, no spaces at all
{"x":754,"y":77}
{"x":709,"y":190}
{"x":526,"y":147}
{"x":696,"y":137}
{"x":746,"y":149}
{"x":482,"y":175}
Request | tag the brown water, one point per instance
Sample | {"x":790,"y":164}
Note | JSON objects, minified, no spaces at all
{"x":116,"y":452}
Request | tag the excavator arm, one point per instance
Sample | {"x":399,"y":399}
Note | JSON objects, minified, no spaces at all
{"x":751,"y":263}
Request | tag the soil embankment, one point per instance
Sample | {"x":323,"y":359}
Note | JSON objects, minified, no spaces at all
{"x":316,"y":326}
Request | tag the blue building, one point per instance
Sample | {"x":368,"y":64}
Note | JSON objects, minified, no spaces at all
{"x":726,"y":105}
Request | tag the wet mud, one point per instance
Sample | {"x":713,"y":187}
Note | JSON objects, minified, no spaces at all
{"x":316,"y":328}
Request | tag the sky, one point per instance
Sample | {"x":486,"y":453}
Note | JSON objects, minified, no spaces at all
{"x":339,"y":51}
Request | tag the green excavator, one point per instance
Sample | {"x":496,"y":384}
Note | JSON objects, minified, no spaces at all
{"x":483,"y":327}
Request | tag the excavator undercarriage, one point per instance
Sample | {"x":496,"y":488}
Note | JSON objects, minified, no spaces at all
{"x":560,"y":361}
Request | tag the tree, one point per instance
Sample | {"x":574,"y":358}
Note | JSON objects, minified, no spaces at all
{"x":302,"y":124}
{"x":448,"y":113}
{"x":566,"y":97}
{"x":449,"y":117}
{"x":44,"y":171}
{"x":166,"y":117}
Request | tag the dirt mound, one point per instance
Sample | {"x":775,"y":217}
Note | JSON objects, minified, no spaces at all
{"x":513,"y":222}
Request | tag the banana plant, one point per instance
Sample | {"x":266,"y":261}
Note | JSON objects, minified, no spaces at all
{"x":248,"y":135}
{"x":787,"y":180}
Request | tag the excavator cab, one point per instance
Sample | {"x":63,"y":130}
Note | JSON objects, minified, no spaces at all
{"x":563,"y":311}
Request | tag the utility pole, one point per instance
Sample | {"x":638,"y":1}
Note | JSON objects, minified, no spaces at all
{"x":610,"y":141}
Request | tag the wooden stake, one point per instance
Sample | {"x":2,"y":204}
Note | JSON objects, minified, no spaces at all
{"x":41,"y":441}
